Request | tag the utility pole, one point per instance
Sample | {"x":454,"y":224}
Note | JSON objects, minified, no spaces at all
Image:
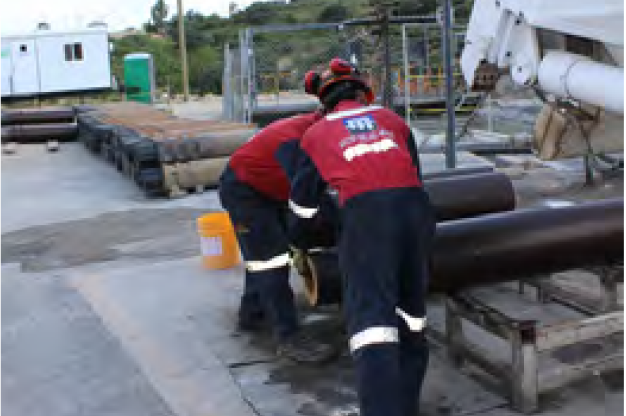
{"x":447,"y":59}
{"x":182,"y":43}
{"x":387,"y":86}
{"x":382,"y":11}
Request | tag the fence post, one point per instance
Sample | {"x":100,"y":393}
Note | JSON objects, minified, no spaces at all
{"x":227,"y":112}
{"x":387,"y":87}
{"x":250,"y":79}
{"x":407,"y":85}
{"x":447,"y":56}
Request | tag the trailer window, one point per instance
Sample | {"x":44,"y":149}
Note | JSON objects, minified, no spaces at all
{"x":78,"y":51}
{"x":73,"y":51}
{"x":68,"y":52}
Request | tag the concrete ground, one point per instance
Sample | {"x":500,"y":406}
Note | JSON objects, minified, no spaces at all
{"x":106,"y":309}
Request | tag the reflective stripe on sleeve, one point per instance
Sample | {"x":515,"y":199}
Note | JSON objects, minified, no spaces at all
{"x":302,"y":212}
{"x":374,"y":335}
{"x":415,"y":324}
{"x":281,"y":260}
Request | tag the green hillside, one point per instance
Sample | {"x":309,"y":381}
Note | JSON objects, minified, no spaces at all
{"x":206,"y":36}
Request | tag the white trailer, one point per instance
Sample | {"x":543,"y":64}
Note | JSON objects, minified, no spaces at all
{"x":46,"y":62}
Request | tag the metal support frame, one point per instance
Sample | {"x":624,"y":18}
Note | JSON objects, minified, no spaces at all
{"x":367,"y":21}
{"x":523,"y":378}
{"x":609,"y":277}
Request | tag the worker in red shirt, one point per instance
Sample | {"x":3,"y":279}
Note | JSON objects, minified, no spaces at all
{"x":367,"y":154}
{"x":254,"y":189}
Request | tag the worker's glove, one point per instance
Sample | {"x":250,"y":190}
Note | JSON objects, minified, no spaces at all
{"x":299,"y":261}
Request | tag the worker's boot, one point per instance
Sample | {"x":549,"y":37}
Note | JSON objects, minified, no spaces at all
{"x":301,"y":348}
{"x":251,"y":315}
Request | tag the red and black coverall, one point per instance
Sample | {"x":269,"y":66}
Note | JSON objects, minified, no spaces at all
{"x":254,"y":189}
{"x":368,"y":155}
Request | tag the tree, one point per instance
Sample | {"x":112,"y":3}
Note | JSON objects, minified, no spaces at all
{"x":159,"y":13}
{"x":333,"y":13}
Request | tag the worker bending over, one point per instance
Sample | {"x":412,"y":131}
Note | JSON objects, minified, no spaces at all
{"x":367,"y":154}
{"x":254,"y":189}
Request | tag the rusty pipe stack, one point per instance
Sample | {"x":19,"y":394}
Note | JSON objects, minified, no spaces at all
{"x":33,"y":125}
{"x":501,"y":247}
{"x":165,"y":155}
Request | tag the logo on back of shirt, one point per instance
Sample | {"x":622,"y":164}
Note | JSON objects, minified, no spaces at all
{"x":361,"y":124}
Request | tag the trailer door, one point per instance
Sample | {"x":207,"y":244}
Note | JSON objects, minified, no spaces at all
{"x":25,"y":74}
{"x":5,"y":70}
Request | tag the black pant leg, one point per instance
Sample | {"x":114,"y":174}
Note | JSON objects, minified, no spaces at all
{"x":415,"y":249}
{"x":258,"y":223}
{"x":368,"y":261}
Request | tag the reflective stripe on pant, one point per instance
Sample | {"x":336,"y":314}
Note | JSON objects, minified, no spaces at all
{"x":260,"y":227}
{"x":384,"y":245}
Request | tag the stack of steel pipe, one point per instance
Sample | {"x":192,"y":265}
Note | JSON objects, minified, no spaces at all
{"x":478,"y":242}
{"x":491,"y":192}
{"x":32,"y":125}
{"x":162,"y":153}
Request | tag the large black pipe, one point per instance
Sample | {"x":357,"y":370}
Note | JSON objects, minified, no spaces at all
{"x":470,"y":195}
{"x":33,"y":133}
{"x":453,"y":194}
{"x":38,"y":115}
{"x":502,"y":247}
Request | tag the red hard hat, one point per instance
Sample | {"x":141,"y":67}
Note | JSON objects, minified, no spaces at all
{"x":339,"y":70}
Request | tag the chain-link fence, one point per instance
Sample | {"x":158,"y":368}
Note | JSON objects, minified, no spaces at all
{"x":422,"y":88}
{"x":282,"y":58}
{"x":268,"y":67}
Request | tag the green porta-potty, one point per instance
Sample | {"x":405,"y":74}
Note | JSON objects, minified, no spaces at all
{"x":139,"y":77}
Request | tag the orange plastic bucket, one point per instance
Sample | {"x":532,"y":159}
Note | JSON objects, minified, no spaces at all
{"x":217,"y":241}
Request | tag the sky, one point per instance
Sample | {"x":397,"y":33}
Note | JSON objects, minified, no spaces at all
{"x":22,"y":16}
